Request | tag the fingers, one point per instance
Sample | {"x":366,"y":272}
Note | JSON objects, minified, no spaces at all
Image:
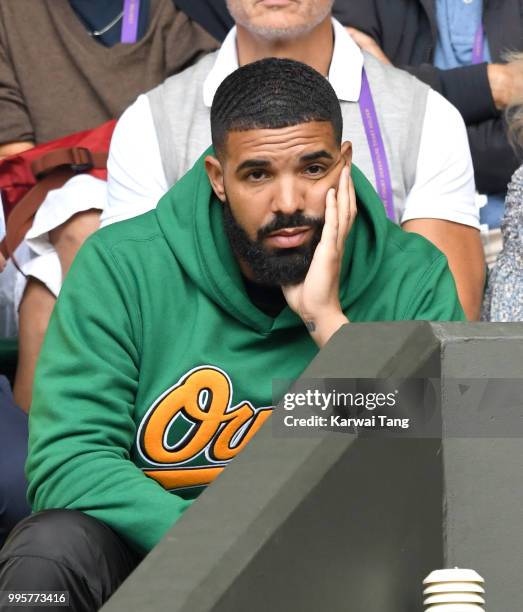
{"x":343,"y":206}
{"x":329,"y":235}
{"x":346,"y":206}
{"x":367,"y":43}
{"x":358,"y":36}
{"x":340,"y":212}
{"x":353,"y":208}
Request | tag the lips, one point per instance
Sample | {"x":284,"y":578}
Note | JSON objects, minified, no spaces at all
{"x":289,"y":237}
{"x":275,"y":3}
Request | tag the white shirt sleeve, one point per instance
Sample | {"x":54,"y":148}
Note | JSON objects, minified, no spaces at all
{"x":136,"y":179}
{"x":444,"y":185}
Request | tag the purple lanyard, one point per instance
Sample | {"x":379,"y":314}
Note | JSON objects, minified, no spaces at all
{"x":376,"y":146}
{"x":131,"y":12}
{"x":477,"y":49}
{"x":373,"y":132}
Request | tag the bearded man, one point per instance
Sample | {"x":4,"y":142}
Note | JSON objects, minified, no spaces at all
{"x":408,"y":140}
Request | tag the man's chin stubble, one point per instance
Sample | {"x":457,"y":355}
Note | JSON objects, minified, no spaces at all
{"x":279,"y":34}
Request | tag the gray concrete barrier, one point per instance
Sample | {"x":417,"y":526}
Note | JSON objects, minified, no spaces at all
{"x":339,"y":522}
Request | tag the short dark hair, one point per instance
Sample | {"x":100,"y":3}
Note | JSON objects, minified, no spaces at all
{"x":273,"y":93}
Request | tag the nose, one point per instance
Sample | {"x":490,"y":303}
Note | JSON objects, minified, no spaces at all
{"x":288,"y":196}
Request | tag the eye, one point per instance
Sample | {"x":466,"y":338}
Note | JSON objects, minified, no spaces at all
{"x":257,"y":175}
{"x":314,"y":170}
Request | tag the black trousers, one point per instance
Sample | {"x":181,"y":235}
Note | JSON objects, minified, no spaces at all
{"x":13,"y":453}
{"x":65,"y":550}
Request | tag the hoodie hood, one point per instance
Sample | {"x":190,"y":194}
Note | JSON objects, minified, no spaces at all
{"x":190,"y":217}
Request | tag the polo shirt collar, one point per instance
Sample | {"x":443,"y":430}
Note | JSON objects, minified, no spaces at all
{"x":344,"y":71}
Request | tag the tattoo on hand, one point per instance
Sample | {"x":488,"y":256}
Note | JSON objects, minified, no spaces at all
{"x":311,"y":326}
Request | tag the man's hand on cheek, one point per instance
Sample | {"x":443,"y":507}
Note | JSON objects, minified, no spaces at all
{"x":316,"y":300}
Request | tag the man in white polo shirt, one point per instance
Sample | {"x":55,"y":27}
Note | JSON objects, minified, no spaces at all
{"x":408,"y":140}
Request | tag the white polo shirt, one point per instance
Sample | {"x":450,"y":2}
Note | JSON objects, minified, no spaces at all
{"x":444,"y":183}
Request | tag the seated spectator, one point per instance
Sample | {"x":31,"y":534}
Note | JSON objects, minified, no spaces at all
{"x":62,"y":71}
{"x":427,"y":186}
{"x":257,"y":257}
{"x":458,"y":49}
{"x":504,"y":295}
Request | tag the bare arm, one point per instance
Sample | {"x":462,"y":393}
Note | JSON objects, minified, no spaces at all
{"x":462,"y":246}
{"x":13,"y":148}
{"x":69,"y":237}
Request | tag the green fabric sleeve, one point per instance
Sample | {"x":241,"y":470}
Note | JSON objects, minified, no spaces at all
{"x":435,"y":297}
{"x":81,"y":419}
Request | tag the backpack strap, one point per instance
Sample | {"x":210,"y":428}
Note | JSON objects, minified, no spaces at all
{"x":52,"y":170}
{"x":78,"y":159}
{"x":21,"y":218}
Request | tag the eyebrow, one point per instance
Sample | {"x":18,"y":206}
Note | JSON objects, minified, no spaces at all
{"x":316,"y":155}
{"x":253,"y":163}
{"x":264,"y":163}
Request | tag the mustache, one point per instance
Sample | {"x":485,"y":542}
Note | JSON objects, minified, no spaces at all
{"x":284,"y":221}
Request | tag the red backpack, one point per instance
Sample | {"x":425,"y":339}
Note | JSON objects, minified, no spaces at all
{"x":26,"y":178}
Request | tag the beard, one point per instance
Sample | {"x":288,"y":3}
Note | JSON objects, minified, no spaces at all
{"x":273,"y":267}
{"x":316,"y":13}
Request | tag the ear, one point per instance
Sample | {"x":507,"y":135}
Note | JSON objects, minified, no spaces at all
{"x":346,"y":152}
{"x":214,"y":171}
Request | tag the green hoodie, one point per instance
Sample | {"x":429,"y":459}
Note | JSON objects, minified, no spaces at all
{"x":157,"y":368}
